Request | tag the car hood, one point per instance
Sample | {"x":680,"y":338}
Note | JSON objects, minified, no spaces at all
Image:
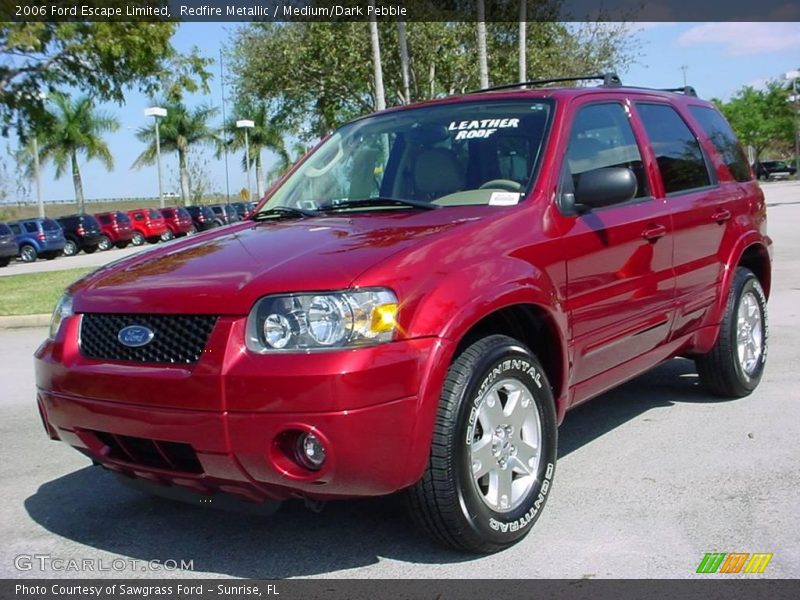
{"x":224,"y":271}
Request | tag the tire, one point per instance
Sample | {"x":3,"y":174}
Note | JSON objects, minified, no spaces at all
{"x":28,"y":253}
{"x":50,"y":255}
{"x":4,"y":261}
{"x":122,"y":245}
{"x":729,"y":369}
{"x":154,"y":239}
{"x":138,"y":238}
{"x":71,"y":248}
{"x":105,"y":244}
{"x":167,"y":236}
{"x":90,"y":249}
{"x":448,"y":503}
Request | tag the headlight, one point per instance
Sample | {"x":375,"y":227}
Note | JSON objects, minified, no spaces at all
{"x":62,"y":311}
{"x":322,"y":320}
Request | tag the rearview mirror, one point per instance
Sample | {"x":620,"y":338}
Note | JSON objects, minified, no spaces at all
{"x":604,"y":187}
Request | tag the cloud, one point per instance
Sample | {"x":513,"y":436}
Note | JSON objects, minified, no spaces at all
{"x":742,"y":39}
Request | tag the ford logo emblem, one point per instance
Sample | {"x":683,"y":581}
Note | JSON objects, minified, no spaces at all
{"x":135,"y":336}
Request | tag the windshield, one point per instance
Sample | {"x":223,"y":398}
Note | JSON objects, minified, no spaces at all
{"x":445,"y":155}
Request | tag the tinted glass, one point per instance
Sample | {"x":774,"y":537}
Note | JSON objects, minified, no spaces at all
{"x":50,"y":225}
{"x":680,"y":159}
{"x":15,"y":228}
{"x":167,"y":212}
{"x":123,"y":218}
{"x":721,"y":135}
{"x":105,"y":219}
{"x":182,"y":212}
{"x":90,"y":222}
{"x":208,"y":212}
{"x":4,"y":230}
{"x":31,"y":227}
{"x":138,"y":216}
{"x":154,"y":214}
{"x":602,"y":137}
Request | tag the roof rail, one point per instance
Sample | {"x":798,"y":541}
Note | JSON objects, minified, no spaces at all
{"x":686,"y":89}
{"x":609,"y":80}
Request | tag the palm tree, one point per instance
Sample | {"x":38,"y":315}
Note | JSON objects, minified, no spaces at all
{"x":377,"y":68}
{"x":76,"y":128}
{"x":483,"y":61}
{"x":285,"y":161}
{"x":403,"y":41}
{"x":262,"y":136}
{"x":180,"y":129}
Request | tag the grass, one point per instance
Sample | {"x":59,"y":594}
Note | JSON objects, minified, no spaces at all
{"x":35,"y":293}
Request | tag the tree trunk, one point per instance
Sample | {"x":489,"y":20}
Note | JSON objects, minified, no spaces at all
{"x":483,"y":61}
{"x":380,"y":99}
{"x":259,"y":177}
{"x":401,"y":35}
{"x":184,"y":174}
{"x":523,"y":42}
{"x":76,"y":181}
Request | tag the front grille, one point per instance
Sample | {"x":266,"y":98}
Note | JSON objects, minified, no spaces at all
{"x":171,"y":456}
{"x":177,"y":339}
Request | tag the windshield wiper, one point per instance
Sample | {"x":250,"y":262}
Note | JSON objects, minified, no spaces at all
{"x":288,"y":211}
{"x":378,"y":201}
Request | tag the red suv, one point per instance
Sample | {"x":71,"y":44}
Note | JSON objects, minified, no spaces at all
{"x":116,"y":228}
{"x":178,"y":222}
{"x":148,"y":224}
{"x":420,"y":302}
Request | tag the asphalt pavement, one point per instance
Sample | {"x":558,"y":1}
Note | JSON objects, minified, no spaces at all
{"x":650,"y":477}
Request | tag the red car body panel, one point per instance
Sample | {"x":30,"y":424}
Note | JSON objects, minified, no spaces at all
{"x":178,"y":223}
{"x":617,"y":293}
{"x":115,"y":230}
{"x":145,"y":221}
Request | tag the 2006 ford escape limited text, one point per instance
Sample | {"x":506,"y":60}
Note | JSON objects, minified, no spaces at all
{"x":419,"y":302}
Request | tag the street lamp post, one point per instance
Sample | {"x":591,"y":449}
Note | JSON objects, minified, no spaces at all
{"x":157,"y":112}
{"x":247,"y":124}
{"x":795,"y":77}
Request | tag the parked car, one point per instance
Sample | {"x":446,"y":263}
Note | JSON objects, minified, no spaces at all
{"x":774,"y":169}
{"x":244,"y":209}
{"x":38,"y":238}
{"x":116,"y":228}
{"x":427,"y":330}
{"x":178,"y":221}
{"x":224,"y":214}
{"x":8,"y":245}
{"x":148,"y":224}
{"x":202,"y":217}
{"x":82,"y":232}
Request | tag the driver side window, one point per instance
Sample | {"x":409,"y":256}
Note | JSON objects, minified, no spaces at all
{"x":602,"y":137}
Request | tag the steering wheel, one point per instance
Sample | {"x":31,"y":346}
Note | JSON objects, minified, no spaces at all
{"x":503,"y":184}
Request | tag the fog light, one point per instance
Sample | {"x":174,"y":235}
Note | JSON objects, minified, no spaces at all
{"x":310,"y":451}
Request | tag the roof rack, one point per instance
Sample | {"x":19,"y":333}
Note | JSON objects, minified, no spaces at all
{"x":609,"y":80}
{"x":686,"y":89}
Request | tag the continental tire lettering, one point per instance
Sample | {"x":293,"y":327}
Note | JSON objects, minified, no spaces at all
{"x":526,"y":519}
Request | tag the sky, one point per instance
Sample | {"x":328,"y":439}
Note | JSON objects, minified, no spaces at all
{"x":719,"y":58}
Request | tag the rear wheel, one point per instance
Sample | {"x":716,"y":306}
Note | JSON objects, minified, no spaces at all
{"x":734,"y":366}
{"x":28,"y":253}
{"x":122,"y":245}
{"x":4,"y":261}
{"x":71,"y":248}
{"x":90,"y":249}
{"x":137,"y":239}
{"x":105,"y":243}
{"x":493,"y":452}
{"x":167,"y":236}
{"x":153,"y":239}
{"x":50,"y":255}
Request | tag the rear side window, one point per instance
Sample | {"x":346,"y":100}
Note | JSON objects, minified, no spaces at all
{"x":105,"y":219}
{"x":123,"y":218}
{"x":15,"y":228}
{"x":31,"y":227}
{"x":138,"y":216}
{"x":154,"y":214}
{"x":602,"y":137}
{"x":167,"y":213}
{"x":50,"y":225}
{"x":721,"y":135}
{"x":680,"y":159}
{"x":4,"y":230}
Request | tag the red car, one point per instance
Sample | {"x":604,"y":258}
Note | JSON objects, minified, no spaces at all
{"x":420,"y":302}
{"x":116,"y":228}
{"x":148,"y":225}
{"x":178,"y":221}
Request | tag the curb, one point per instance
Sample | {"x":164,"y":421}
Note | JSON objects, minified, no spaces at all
{"x":19,"y":321}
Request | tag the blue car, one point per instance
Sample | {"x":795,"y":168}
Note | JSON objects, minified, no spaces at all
{"x":8,"y":245}
{"x":38,"y":237}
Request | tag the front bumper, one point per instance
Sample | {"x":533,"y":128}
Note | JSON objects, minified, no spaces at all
{"x":222,"y":425}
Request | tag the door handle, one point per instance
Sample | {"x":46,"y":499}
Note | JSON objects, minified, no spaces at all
{"x":654,"y":232}
{"x":721,"y":215}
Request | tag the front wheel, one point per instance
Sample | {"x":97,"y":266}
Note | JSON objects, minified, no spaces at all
{"x":167,"y":235}
{"x":71,"y":248}
{"x":493,"y":452}
{"x":28,"y":253}
{"x":105,"y":244}
{"x":734,"y":366}
{"x":138,"y":238}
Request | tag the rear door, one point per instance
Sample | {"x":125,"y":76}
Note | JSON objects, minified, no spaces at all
{"x":702,"y":209}
{"x":620,"y":288}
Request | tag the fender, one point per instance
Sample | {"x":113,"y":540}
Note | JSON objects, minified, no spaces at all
{"x":503,"y":282}
{"x":748,"y":240}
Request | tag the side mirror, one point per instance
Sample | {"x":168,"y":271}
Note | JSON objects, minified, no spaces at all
{"x":604,"y":187}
